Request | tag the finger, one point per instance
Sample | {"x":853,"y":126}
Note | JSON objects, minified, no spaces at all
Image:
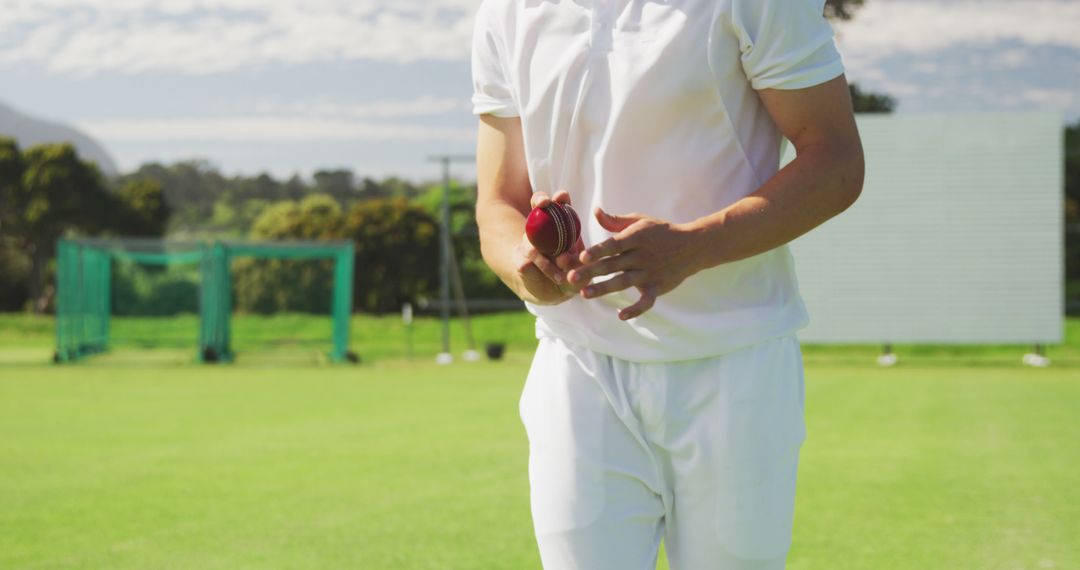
{"x":646,"y":302}
{"x":612,"y":246}
{"x":578,"y":247}
{"x":545,"y":265}
{"x":569,"y":260}
{"x":562,"y":196}
{"x":566,"y":262}
{"x":624,"y":280}
{"x":567,"y":289}
{"x":539,"y":200}
{"x":604,"y":266}
{"x":613,"y":223}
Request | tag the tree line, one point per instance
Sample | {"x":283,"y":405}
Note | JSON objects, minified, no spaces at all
{"x":48,"y":192}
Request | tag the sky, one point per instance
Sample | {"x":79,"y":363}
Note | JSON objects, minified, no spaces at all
{"x":378,"y":86}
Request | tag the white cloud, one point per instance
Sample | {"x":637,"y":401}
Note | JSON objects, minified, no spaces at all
{"x":891,"y":27}
{"x":1012,"y":58}
{"x":275,"y":120}
{"x":422,"y":107}
{"x":83,"y":37}
{"x":263,"y":129}
{"x":934,"y":54}
{"x":1044,"y":98}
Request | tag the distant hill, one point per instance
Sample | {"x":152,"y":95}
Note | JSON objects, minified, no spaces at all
{"x":30,"y":131}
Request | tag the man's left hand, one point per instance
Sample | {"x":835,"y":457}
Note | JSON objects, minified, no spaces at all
{"x":649,"y":254}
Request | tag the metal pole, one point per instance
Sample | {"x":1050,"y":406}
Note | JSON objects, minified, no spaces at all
{"x":406,"y":320}
{"x":463,"y":307}
{"x":445,"y":357}
{"x":444,"y":262}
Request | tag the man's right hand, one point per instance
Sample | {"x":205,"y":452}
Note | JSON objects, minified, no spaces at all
{"x":543,"y":279}
{"x":504,"y":200}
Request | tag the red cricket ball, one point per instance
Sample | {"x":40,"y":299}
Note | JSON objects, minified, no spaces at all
{"x":553,"y":230}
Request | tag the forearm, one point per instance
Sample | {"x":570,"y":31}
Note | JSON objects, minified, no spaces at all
{"x":501,"y":226}
{"x":822,"y":181}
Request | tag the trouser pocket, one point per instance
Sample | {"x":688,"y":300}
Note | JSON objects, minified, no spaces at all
{"x":561,"y":408}
{"x":765,"y":430}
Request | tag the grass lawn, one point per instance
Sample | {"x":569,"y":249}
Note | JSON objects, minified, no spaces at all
{"x":957,"y":458}
{"x":303,"y":339}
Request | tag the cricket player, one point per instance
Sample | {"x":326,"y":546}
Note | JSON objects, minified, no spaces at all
{"x":665,"y":399}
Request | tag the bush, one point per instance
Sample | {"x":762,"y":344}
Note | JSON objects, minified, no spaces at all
{"x":266,"y":286}
{"x":154,"y":291}
{"x":397,"y":253}
{"x":14,"y":279}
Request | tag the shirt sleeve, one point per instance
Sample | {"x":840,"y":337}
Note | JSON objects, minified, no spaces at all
{"x":492,"y":93}
{"x":785,"y":44}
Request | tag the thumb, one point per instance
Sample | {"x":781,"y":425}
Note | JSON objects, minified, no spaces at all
{"x":614,"y":223}
{"x":539,"y":199}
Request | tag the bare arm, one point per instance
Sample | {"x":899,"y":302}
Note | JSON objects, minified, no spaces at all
{"x":825,"y":178}
{"x":504,"y":199}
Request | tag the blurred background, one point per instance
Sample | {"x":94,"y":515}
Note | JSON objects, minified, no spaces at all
{"x":188,"y":123}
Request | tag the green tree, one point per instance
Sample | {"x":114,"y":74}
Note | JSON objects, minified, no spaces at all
{"x":267,"y":286}
{"x":390,"y":187}
{"x":869,"y":102}
{"x":371,"y":189}
{"x":143,"y":210}
{"x":340,"y":184}
{"x":14,"y":277}
{"x":863,"y":101}
{"x":295,"y":188}
{"x":191,"y":188}
{"x":841,"y":9}
{"x":477,"y":279}
{"x":11,"y":173}
{"x":316,"y":217}
{"x":397,"y":252}
{"x":14,"y":266}
{"x":57,"y":194}
{"x":260,"y":187}
{"x":462,"y":206}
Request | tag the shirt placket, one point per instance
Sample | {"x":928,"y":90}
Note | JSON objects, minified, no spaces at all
{"x":602,"y":25}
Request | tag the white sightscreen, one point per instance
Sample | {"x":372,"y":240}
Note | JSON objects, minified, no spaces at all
{"x":957,"y":237}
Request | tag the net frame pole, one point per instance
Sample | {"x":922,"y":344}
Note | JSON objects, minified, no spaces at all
{"x":64,"y":288}
{"x":106,"y":298}
{"x":98,"y":263}
{"x":205,"y":302}
{"x":89,"y":298}
{"x":79,"y":305}
{"x":342,"y":304}
{"x":226,"y":301}
{"x":215,"y":306}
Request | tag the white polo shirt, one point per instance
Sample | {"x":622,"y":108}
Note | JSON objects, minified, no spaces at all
{"x":648,"y":106}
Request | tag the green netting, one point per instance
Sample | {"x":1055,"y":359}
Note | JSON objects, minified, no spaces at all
{"x":85,"y":288}
{"x":82,"y":324}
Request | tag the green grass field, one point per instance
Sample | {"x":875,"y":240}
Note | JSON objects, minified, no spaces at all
{"x":957,"y":458}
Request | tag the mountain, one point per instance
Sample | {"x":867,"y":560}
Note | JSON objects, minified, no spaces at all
{"x":29,"y":131}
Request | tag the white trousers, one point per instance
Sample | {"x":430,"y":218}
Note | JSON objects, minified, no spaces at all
{"x":701,"y":453}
